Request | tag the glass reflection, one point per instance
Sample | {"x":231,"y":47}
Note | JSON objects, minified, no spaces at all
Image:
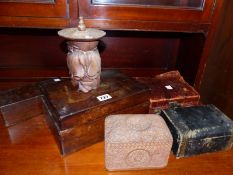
{"x":171,"y":3}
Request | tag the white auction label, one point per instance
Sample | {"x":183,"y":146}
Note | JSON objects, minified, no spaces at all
{"x":104,"y":97}
{"x":56,"y":79}
{"x":168,"y":87}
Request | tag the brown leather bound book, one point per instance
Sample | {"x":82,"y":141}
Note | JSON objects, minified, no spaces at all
{"x":169,"y":89}
{"x":77,"y":118}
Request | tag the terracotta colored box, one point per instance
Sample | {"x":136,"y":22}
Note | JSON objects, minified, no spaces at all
{"x":77,"y":118}
{"x":20,"y":104}
{"x":170,"y":89}
{"x":136,"y":142}
{"x":198,"y":129}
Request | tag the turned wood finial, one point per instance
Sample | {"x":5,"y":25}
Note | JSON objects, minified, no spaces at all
{"x":81,"y":24}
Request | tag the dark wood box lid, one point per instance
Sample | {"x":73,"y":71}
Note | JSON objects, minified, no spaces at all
{"x":198,"y":122}
{"x":18,"y":94}
{"x":67,"y":102}
{"x":170,"y":87}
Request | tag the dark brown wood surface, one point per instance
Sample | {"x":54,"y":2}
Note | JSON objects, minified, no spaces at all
{"x":58,"y":14}
{"x":73,"y":108}
{"x":48,"y":14}
{"x":79,"y":137}
{"x":158,"y":53}
{"x":46,"y":9}
{"x":148,"y":18}
{"x":40,"y":53}
{"x":29,"y":148}
{"x":218,"y":78}
{"x":163,"y":13}
{"x":77,"y":119}
{"x":19,"y":104}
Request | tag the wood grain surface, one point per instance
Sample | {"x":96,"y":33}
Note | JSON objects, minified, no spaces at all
{"x":29,"y":148}
{"x":219,"y":69}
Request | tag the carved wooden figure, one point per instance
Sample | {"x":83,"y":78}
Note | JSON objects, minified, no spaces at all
{"x":83,"y":58}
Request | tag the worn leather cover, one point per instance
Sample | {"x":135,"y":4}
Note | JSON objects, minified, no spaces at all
{"x":19,"y":104}
{"x":198,"y":129}
{"x":136,"y":142}
{"x":77,"y":118}
{"x":168,"y":89}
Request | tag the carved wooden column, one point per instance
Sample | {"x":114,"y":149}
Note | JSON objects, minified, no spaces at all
{"x":83,"y":59}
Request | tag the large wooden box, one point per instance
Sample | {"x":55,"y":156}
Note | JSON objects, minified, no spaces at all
{"x":77,"y":119}
{"x":170,"y":89}
{"x":20,"y":104}
{"x":198,"y":129}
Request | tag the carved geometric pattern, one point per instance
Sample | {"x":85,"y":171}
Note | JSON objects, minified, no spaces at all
{"x":136,"y":141}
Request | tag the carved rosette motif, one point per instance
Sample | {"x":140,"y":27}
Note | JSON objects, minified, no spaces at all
{"x":138,"y":158}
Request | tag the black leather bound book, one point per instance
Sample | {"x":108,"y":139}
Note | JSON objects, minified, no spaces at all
{"x":198,"y":129}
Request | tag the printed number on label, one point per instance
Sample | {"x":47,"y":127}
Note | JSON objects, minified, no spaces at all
{"x":104,"y":97}
{"x":168,"y":87}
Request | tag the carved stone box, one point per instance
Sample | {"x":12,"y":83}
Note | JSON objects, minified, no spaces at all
{"x":198,"y":129}
{"x":77,"y":118}
{"x":170,"y":89}
{"x":136,"y":142}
